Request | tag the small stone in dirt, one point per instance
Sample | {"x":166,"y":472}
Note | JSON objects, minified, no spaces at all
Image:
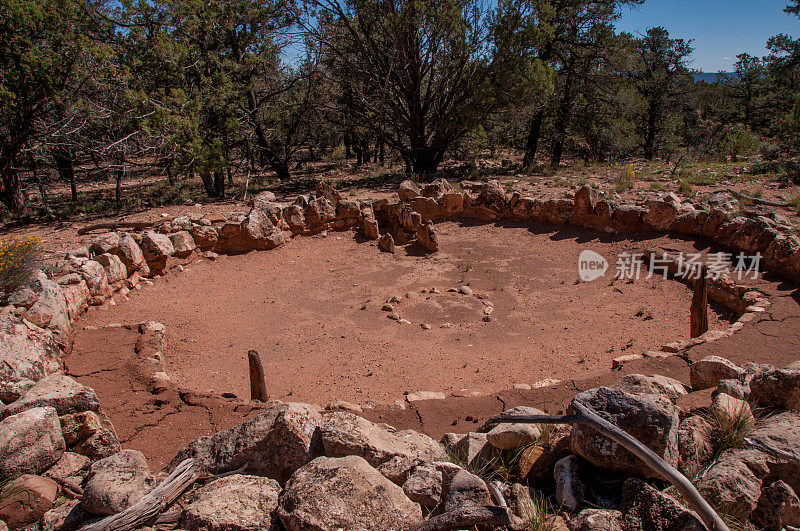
{"x":452,"y":290}
{"x":387,"y":308}
{"x":487,"y":318}
{"x":465,"y":290}
{"x":393,"y":316}
{"x":522,"y":386}
{"x":412,"y":295}
{"x":404,"y":321}
{"x":447,"y":325}
{"x":426,"y":326}
{"x":394,"y":300}
{"x":481,"y":296}
{"x":434,"y":291}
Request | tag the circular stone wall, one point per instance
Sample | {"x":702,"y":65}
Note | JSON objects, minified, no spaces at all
{"x":314,"y":311}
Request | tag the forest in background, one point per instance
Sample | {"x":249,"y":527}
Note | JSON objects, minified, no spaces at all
{"x":198,"y":90}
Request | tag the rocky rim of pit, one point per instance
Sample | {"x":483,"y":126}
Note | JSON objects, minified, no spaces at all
{"x":55,"y":440}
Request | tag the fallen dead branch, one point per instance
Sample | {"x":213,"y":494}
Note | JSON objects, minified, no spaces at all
{"x":758,"y":200}
{"x":152,"y":504}
{"x":114,"y":225}
{"x":586,"y":415}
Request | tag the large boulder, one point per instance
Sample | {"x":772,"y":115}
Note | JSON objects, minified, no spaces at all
{"x":654,"y":385}
{"x":58,"y":391}
{"x":465,"y":490}
{"x":424,"y":485}
{"x":648,"y":508}
{"x":115,"y":269}
{"x":204,"y":236}
{"x":102,"y":443}
{"x":508,"y":436}
{"x":274,"y":443}
{"x":24,"y":500}
{"x":157,"y":248}
{"x":651,"y":419}
{"x":436,"y":189}
{"x":344,"y":493}
{"x":694,"y":445}
{"x":472,"y":450}
{"x":105,"y":243}
{"x":131,"y":255}
{"x":319,"y":212}
{"x":426,"y":237}
{"x":778,"y":507}
{"x":660,"y":215}
{"x":734,"y":481}
{"x":408,"y":190}
{"x":95,"y":276}
{"x":30,"y":442}
{"x":233,"y":503}
{"x":26,"y":356}
{"x":776,"y":388}
{"x":570,"y":489}
{"x":596,"y":520}
{"x":493,"y":197}
{"x":50,"y":308}
{"x":117,"y":482}
{"x":71,"y":468}
{"x":182,"y":243}
{"x":707,"y":372}
{"x":346,"y":434}
{"x":245,"y":232}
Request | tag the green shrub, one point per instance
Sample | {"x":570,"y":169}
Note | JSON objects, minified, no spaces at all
{"x":686,"y":188}
{"x":18,"y":256}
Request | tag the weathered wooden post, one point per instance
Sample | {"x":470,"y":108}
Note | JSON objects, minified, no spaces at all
{"x":699,"y":318}
{"x":258,"y":386}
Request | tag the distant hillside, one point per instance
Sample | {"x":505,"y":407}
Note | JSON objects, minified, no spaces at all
{"x":709,"y":77}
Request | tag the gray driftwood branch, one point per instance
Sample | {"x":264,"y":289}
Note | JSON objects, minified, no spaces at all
{"x":586,"y":415}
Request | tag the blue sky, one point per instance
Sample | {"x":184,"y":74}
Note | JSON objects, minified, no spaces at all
{"x":720,"y":29}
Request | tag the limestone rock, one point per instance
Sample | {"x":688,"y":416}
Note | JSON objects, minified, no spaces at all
{"x":182,"y":243}
{"x":651,"y":419}
{"x":233,"y":503}
{"x":157,"y":248}
{"x":464,"y":490}
{"x":204,"y":236}
{"x":386,"y":243}
{"x":131,"y":255}
{"x":596,"y":520}
{"x":79,"y":426}
{"x":24,"y":500}
{"x":344,"y":493}
{"x":50,"y":308}
{"x":777,"y":388}
{"x":408,"y":190}
{"x":274,"y":443}
{"x":507,"y":436}
{"x":25,"y":358}
{"x":69,"y":516}
{"x":106,"y":243}
{"x":694,"y":445}
{"x":436,"y":189}
{"x":777,"y":507}
{"x":115,"y":269}
{"x":397,"y":469}
{"x":319,"y":212}
{"x":117,"y":482}
{"x":346,"y":434}
{"x":58,"y":391}
{"x":30,"y":442}
{"x":426,"y":238}
{"x":95,"y":277}
{"x":471,"y":449}
{"x":424,"y":485}
{"x":726,"y":406}
{"x":648,"y":508}
{"x":656,"y":385}
{"x":570,"y":489}
{"x":734,"y":481}
{"x":707,"y":372}
{"x":660,"y":215}
{"x":71,"y":467}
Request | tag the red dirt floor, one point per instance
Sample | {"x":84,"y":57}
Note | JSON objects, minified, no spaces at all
{"x":312,"y":308}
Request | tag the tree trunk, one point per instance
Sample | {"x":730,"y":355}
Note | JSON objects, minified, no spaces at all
{"x":13,"y":195}
{"x":532,"y":143}
{"x":170,"y":176}
{"x":118,"y":188}
{"x":66,"y":171}
{"x":562,"y":118}
{"x":650,"y":132}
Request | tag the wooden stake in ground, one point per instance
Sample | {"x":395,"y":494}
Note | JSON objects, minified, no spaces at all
{"x":258,"y":386}
{"x":699,"y":318}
